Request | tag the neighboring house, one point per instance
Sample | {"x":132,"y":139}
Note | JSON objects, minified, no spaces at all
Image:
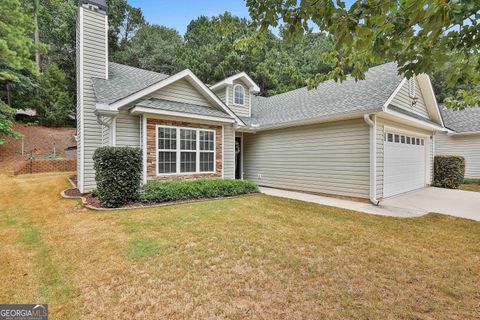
{"x":370,"y":139}
{"x":462,"y":138}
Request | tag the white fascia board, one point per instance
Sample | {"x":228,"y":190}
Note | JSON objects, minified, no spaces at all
{"x":105,"y":110}
{"x":392,"y":96}
{"x":412,"y":121}
{"x":468,"y":133}
{"x":144,"y":110}
{"x":229,"y":81}
{"x":214,"y":97}
{"x":333,"y":118}
{"x":182,"y":74}
{"x":429,"y":95}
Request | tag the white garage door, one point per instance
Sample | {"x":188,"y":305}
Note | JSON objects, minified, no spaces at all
{"x":404,"y":163}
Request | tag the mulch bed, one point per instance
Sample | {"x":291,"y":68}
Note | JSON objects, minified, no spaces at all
{"x":72,"y":193}
{"x":93,"y":203}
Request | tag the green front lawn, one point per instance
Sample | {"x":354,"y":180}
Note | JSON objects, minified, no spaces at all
{"x":253,"y":257}
{"x":471,"y":185}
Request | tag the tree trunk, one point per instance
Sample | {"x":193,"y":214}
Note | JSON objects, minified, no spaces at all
{"x":37,"y":41}
{"x":9,"y":95}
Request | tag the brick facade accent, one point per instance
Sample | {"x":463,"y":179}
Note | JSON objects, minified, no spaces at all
{"x":38,"y":166}
{"x":152,"y":149}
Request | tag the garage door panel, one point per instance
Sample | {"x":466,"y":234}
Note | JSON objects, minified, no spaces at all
{"x":404,"y":160}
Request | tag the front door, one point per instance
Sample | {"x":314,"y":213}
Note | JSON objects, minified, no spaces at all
{"x":238,"y":157}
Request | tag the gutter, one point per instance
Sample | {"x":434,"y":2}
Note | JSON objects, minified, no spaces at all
{"x":466,"y":133}
{"x":373,"y":157}
{"x":310,"y":121}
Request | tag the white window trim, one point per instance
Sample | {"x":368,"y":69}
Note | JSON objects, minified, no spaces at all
{"x":243,"y":91}
{"x":178,"y":151}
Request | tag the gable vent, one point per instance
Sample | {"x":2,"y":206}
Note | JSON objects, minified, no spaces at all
{"x":412,"y":88}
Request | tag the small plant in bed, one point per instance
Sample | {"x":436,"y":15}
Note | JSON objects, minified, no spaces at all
{"x":158,"y":192}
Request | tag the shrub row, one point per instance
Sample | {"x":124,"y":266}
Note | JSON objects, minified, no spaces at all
{"x":448,"y":171}
{"x":118,"y":172}
{"x":156,"y":192}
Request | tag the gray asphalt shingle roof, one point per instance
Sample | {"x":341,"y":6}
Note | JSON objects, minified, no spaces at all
{"x":467,"y":120}
{"x":123,"y":81}
{"x":168,"y":105}
{"x":329,"y":99}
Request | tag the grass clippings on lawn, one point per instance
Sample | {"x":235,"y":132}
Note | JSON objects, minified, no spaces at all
{"x":251,"y":257}
{"x":470,"y":185}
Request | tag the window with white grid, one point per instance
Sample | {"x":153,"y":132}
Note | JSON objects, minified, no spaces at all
{"x":207,"y":150}
{"x":185,"y":150}
{"x":167,"y":150}
{"x":188,"y":150}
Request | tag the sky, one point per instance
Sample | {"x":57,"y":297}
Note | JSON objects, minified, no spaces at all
{"x":177,"y":14}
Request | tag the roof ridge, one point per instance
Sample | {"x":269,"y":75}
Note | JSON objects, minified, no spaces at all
{"x":137,"y":68}
{"x":327,"y":81}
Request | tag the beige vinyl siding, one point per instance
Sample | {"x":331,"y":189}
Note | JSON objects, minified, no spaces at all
{"x":381,"y":124}
{"x":243,"y":111}
{"x":467,"y":146}
{"x":222,"y":94}
{"x":402,"y":100}
{"x":181,"y":91}
{"x":228,"y":151}
{"x":327,"y":158}
{"x":94,"y":65}
{"x":79,"y":99}
{"x":127,"y":130}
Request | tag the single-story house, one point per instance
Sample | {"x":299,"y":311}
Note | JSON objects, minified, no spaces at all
{"x":371,"y":139}
{"x":462,"y":138}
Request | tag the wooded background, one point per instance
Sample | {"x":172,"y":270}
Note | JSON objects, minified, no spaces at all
{"x":37,"y":50}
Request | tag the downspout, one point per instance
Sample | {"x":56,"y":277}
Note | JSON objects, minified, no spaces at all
{"x":101,"y":122}
{"x":373,"y":158}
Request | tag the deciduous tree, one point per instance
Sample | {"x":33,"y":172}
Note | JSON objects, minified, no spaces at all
{"x":420,"y":35}
{"x":16,"y":48}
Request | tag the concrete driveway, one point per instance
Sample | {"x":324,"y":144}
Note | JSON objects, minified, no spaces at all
{"x":458,"y":203}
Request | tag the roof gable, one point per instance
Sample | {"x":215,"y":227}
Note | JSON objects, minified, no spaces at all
{"x":404,"y":99}
{"x":415,"y":96}
{"x":182,"y":91}
{"x":239,"y":76}
{"x":116,"y":92}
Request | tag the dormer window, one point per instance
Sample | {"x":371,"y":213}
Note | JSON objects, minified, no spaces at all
{"x":239,"y":94}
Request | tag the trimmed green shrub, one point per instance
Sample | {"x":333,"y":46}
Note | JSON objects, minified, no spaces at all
{"x":448,"y":171}
{"x":118,"y":172}
{"x":155,"y":192}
